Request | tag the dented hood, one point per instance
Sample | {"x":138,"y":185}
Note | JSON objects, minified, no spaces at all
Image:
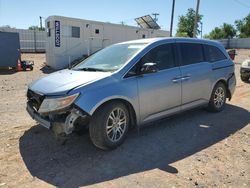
{"x":61,"y":82}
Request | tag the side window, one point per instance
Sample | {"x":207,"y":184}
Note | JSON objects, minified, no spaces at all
{"x":162,"y":55}
{"x":48,"y":29}
{"x":76,"y":32}
{"x":213,"y":53}
{"x":191,"y":53}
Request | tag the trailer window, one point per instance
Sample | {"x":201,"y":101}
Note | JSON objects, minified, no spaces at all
{"x":76,"y":32}
{"x":48,"y":32}
{"x":48,"y":29}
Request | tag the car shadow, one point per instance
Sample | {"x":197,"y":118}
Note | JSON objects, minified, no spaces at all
{"x":79,"y":163}
{"x":7,"y":71}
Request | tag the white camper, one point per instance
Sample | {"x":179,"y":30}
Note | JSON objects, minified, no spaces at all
{"x":70,"y":38}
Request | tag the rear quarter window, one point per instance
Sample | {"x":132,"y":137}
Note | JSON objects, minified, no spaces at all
{"x":213,"y":53}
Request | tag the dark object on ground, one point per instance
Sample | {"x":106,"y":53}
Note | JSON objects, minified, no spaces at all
{"x":9,"y":49}
{"x":27,"y":65}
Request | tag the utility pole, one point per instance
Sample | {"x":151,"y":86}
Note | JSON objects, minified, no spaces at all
{"x":155,"y":16}
{"x":201,"y":28}
{"x":41,"y":23}
{"x":172,"y":19}
{"x":196,"y":18}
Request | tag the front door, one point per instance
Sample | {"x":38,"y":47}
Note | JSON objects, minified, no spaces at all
{"x":160,"y":92}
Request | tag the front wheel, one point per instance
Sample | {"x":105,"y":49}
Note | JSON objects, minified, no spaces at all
{"x":109,"y":125}
{"x":218,"y":98}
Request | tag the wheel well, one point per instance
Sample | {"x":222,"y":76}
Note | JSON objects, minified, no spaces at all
{"x":129,"y":106}
{"x":226,"y":85}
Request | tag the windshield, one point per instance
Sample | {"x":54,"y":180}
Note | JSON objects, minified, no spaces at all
{"x":111,"y":58}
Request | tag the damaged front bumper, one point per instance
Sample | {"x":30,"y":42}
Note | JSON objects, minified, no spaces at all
{"x":62,"y":124}
{"x":41,"y":120}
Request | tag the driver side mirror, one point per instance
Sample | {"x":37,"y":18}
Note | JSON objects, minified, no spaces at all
{"x":149,"y":68}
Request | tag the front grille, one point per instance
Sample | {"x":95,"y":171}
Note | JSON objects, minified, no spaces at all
{"x":35,"y":99}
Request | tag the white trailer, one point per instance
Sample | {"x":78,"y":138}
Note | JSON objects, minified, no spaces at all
{"x":70,"y":38}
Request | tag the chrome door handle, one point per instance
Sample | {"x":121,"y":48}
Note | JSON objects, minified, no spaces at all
{"x":187,"y":77}
{"x":176,"y":80}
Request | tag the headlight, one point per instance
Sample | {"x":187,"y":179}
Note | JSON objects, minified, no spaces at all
{"x":54,"y":104}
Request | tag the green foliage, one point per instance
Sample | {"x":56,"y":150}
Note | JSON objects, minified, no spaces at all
{"x":36,"y":28}
{"x":243,"y":27}
{"x":223,"y":32}
{"x":186,"y":24}
{"x":181,"y":34}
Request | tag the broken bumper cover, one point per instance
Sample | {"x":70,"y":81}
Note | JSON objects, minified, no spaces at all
{"x":63,"y":123}
{"x":41,"y":120}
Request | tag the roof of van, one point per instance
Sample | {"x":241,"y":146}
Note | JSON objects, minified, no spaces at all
{"x":180,"y":39}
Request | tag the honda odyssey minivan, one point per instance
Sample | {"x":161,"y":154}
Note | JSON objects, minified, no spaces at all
{"x":133,"y":83}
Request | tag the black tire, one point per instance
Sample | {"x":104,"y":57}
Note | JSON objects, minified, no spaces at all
{"x":98,"y":126}
{"x":213,"y":105}
{"x":244,"y":79}
{"x":31,"y":68}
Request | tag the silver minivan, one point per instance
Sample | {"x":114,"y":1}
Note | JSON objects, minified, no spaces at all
{"x":131,"y":84}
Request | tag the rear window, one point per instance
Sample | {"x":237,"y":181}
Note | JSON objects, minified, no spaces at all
{"x":191,"y":53}
{"x":213,"y":53}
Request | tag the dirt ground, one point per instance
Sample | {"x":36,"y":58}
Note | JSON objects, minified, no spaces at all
{"x":194,"y":149}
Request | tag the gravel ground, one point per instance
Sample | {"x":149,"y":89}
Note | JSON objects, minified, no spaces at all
{"x":193,"y":149}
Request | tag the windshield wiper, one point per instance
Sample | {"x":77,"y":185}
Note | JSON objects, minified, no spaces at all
{"x":92,"y":69}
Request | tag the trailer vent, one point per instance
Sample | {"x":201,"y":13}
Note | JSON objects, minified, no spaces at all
{"x":97,"y":31}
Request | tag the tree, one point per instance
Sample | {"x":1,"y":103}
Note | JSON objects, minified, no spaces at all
{"x":223,"y":32}
{"x":186,"y":24}
{"x":36,"y":28}
{"x":243,"y":27}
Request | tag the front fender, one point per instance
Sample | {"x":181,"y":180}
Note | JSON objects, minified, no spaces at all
{"x":91,"y":99}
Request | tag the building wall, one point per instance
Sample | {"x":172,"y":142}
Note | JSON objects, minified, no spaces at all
{"x":236,"y":43}
{"x":93,"y":37}
{"x":30,"y":41}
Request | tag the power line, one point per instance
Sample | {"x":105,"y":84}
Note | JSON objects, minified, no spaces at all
{"x":242,"y":4}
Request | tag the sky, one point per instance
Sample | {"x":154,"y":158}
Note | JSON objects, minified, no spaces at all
{"x":24,"y":13}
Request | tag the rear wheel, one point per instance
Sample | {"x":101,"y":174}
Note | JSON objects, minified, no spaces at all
{"x":218,"y":98}
{"x":109,"y":125}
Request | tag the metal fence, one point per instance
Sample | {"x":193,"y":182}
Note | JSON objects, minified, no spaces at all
{"x":30,"y":41}
{"x":236,"y":43}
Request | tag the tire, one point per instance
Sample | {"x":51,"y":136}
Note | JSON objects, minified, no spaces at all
{"x":31,"y":68}
{"x":106,"y":133}
{"x":218,"y":98}
{"x":244,"y":79}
